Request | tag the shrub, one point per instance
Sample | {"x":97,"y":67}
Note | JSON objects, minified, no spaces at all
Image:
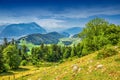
{"x":23,"y":63}
{"x":6,"y":67}
{"x":107,"y":51}
{"x":61,"y":61}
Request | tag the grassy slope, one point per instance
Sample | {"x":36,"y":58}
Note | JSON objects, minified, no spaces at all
{"x":87,"y":64}
{"x":64,"y":71}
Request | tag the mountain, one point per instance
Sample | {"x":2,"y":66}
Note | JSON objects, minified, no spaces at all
{"x":73,"y":30}
{"x":37,"y":39}
{"x":17,"y":30}
{"x":65,"y":34}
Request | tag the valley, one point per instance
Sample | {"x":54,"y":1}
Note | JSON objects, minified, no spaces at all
{"x":59,"y":39}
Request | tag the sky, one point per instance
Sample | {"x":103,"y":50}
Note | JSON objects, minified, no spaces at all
{"x":56,"y":15}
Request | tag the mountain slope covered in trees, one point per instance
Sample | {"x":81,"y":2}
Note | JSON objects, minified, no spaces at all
{"x":37,"y":39}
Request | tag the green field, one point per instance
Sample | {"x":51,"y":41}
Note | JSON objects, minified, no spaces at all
{"x":28,"y":45}
{"x":74,"y":41}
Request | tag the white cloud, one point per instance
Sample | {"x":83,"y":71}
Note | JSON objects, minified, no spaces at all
{"x":66,"y":13}
{"x":51,"y":24}
{"x":48,"y":24}
{"x":52,"y":20}
{"x":87,"y":12}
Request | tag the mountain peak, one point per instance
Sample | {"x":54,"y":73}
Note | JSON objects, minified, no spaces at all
{"x":16,"y":30}
{"x":53,"y":32}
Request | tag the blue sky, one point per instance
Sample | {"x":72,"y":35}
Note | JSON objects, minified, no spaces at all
{"x":55,"y":15}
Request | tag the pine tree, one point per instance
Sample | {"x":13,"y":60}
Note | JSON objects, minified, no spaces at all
{"x":72,"y":52}
{"x":5,"y":43}
{"x":67,"y":52}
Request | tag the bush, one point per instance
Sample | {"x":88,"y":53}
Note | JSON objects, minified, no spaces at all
{"x":23,"y":63}
{"x":107,"y":51}
{"x":61,"y":61}
{"x":6,"y":67}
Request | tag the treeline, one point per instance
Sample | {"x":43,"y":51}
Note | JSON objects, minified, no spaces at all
{"x":13,"y":55}
{"x":54,"y":53}
{"x":97,"y":34}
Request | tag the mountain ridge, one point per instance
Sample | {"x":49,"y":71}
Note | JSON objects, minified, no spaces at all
{"x":37,"y":39}
{"x":16,"y":30}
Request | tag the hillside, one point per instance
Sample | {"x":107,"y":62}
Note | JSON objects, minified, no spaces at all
{"x":65,"y":34}
{"x":88,"y":69}
{"x":37,"y":39}
{"x":17,"y":30}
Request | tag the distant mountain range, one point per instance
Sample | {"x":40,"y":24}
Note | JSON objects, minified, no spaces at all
{"x":37,"y":39}
{"x":73,"y":30}
{"x":22,"y":29}
{"x":65,"y":34}
{"x":17,"y":30}
{"x":33,"y":33}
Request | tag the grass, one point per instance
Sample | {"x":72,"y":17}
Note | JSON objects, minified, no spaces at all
{"x":110,"y":70}
{"x":87,"y":70}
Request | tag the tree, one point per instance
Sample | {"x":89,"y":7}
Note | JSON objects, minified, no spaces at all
{"x":11,"y":56}
{"x":13,"y":41}
{"x":5,"y":43}
{"x":23,"y":52}
{"x":93,"y":33}
{"x":98,"y":33}
{"x":94,"y":27}
{"x":72,"y":52}
{"x":42,"y":46}
{"x":67,"y":52}
{"x":1,"y":60}
{"x":113,"y":34}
